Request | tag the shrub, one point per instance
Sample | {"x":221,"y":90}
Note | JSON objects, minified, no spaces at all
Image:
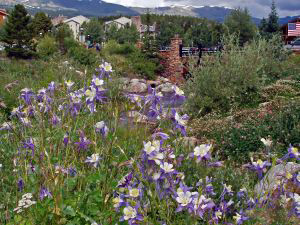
{"x":46,"y":47}
{"x":82,"y":55}
{"x":234,"y":77}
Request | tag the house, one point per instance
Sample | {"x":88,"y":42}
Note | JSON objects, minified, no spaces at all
{"x":3,"y":16}
{"x":75,"y":24}
{"x":119,"y":23}
{"x":291,"y":30}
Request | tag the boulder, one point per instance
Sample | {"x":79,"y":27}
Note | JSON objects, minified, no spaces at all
{"x":137,"y":87}
{"x":268,"y":183}
{"x":165,"y":88}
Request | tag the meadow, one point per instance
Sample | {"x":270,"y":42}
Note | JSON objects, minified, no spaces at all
{"x":67,"y":157}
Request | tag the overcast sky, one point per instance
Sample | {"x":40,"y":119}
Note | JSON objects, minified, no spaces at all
{"x":258,"y":8}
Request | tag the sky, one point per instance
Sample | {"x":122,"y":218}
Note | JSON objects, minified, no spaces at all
{"x":257,"y":8}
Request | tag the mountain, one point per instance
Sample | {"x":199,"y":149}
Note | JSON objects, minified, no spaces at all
{"x":72,"y":7}
{"x":210,"y":12}
{"x":285,"y":20}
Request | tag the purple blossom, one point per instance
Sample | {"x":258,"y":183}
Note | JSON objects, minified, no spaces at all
{"x":20,"y":185}
{"x":131,"y":214}
{"x":66,"y":139}
{"x":83,"y":142}
{"x":162,"y":135}
{"x":125,"y":181}
{"x":180,"y":121}
{"x":55,"y":120}
{"x":259,"y":167}
{"x":52,"y":87}
{"x":100,"y":127}
{"x":202,"y":152}
{"x":93,"y":160}
{"x":29,"y":144}
{"x":240,"y":218}
{"x":44,"y":192}
{"x":27,"y":94}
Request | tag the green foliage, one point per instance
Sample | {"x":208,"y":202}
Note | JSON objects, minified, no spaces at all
{"x":95,"y":30}
{"x":239,"y":22}
{"x":273,"y":25}
{"x":82,"y":55}
{"x":282,"y":127}
{"x":127,"y":34}
{"x":41,"y":24}
{"x":234,"y":77}
{"x":61,"y":33}
{"x":46,"y":47}
{"x":18,"y":33}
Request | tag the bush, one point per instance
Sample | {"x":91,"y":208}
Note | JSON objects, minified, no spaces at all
{"x":46,"y":47}
{"x":82,"y":55}
{"x":283,"y":128}
{"x":234,"y":77}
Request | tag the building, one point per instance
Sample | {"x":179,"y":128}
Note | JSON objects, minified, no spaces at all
{"x":3,"y":16}
{"x":75,"y":24}
{"x":291,"y":30}
{"x":119,"y":23}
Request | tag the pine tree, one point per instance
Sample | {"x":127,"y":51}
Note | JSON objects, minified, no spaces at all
{"x":263,"y":27}
{"x":273,"y":26}
{"x":18,"y":33}
{"x":41,"y":24}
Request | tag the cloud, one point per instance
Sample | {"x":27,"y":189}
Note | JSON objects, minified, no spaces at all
{"x":257,"y":8}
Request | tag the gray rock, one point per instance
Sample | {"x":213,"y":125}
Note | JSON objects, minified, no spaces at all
{"x":165,"y":88}
{"x":137,"y":87}
{"x":268,"y":183}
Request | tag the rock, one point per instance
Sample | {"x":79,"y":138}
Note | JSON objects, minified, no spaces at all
{"x":188,"y":141}
{"x":138,"y":81}
{"x":163,"y":80}
{"x":165,"y":88}
{"x":137,"y":87}
{"x":268,"y":183}
{"x":124,"y":80}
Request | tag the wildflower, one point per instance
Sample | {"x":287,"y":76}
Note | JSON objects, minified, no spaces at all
{"x":97,"y":82}
{"x":102,"y":128}
{"x":93,"y":160}
{"x":180,"y":121}
{"x":24,"y":203}
{"x":66,"y":139}
{"x":6,"y":126}
{"x":162,"y":135}
{"x":117,"y":201}
{"x":202,"y":152}
{"x":240,"y":218}
{"x":52,"y":86}
{"x":293,"y":153}
{"x":125,"y":181}
{"x":25,"y":121}
{"x":26,"y":94}
{"x":167,"y":167}
{"x":216,"y":164}
{"x":83,"y":143}
{"x":156,"y":176}
{"x":72,"y":172}
{"x":134,"y":192}
{"x":242,"y":192}
{"x":267,"y":142}
{"x":202,"y":204}
{"x":184,"y":198}
{"x":259,"y":166}
{"x":44,"y":192}
{"x":20,"y":185}
{"x":55,"y":120}
{"x":90,"y":94}
{"x":106,"y":67}
{"x":69,"y":84}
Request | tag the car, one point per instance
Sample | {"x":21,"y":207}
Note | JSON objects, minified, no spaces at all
{"x":294,"y":46}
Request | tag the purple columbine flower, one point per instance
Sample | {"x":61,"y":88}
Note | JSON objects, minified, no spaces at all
{"x":52,"y":87}
{"x":242,"y":193}
{"x":26,"y":94}
{"x":259,"y":167}
{"x":55,"y":120}
{"x":202,"y":152}
{"x":202,"y":204}
{"x":131,"y":214}
{"x":72,"y":171}
{"x":240,"y":218}
{"x":180,"y":121}
{"x":29,"y":144}
{"x":83,"y":143}
{"x":162,"y":135}
{"x":184,"y":198}
{"x":293,"y":153}
{"x":66,"y":139}
{"x":93,"y":160}
{"x":125,"y":181}
{"x":44,"y":192}
{"x":20,"y":185}
{"x":100,"y":127}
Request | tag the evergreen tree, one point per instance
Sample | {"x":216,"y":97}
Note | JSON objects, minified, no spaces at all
{"x":273,"y":25}
{"x":41,"y":24}
{"x":263,"y":27}
{"x":63,"y":32}
{"x":18,"y":33}
{"x":239,"y":22}
{"x":94,"y":28}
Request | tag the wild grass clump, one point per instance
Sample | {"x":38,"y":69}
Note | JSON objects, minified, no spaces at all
{"x":67,"y":158}
{"x":234,"y":77}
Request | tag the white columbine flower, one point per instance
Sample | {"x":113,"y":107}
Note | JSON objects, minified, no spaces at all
{"x":184,"y":198}
{"x":202,"y":150}
{"x":94,"y":159}
{"x":134,"y":193}
{"x":98,"y":82}
{"x":178,"y":91}
{"x":237,"y":218}
{"x":157,"y":158}
{"x":129,"y":213}
{"x":100,"y":125}
{"x":69,"y":83}
{"x":107,"y":67}
{"x":91,"y":94}
{"x":148,"y":148}
{"x":117,"y":201}
{"x":179,"y":120}
{"x":167,"y":167}
{"x":267,"y":142}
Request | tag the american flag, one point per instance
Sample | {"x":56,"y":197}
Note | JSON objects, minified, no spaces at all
{"x":294,"y":29}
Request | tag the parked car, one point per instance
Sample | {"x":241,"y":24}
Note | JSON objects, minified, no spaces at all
{"x":294,"y":46}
